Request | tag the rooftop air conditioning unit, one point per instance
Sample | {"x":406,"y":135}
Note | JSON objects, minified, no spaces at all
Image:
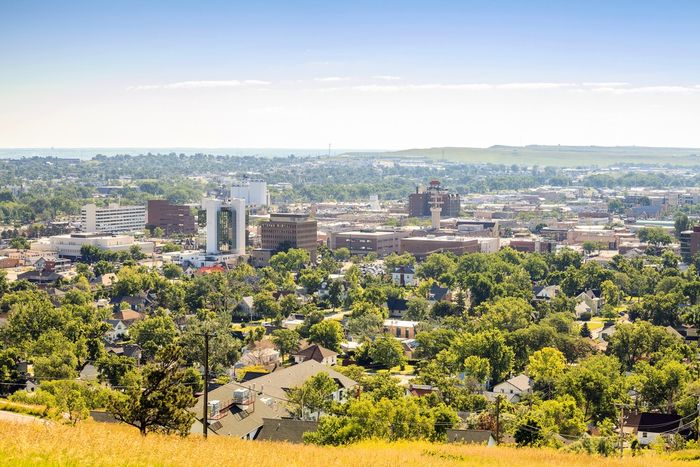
{"x":213,"y":408}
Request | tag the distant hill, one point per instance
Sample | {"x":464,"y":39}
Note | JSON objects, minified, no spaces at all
{"x":561,"y":156}
{"x":91,"y":443}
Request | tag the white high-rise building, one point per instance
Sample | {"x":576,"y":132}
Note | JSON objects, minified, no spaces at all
{"x":225,"y":226}
{"x":113,"y":219}
{"x":253,"y":191}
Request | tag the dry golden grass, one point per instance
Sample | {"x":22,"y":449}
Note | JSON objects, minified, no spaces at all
{"x":99,"y":444}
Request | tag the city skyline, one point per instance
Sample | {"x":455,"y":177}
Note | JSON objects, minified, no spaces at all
{"x":357,"y":75}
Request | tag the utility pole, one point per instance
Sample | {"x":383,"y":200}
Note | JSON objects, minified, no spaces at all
{"x":697,"y":419}
{"x":621,"y":433}
{"x":205,"y":408}
{"x":498,"y":419}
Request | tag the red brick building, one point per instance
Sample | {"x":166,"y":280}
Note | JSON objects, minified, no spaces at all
{"x":172,"y":218}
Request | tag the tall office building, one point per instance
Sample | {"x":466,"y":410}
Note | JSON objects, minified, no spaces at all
{"x":113,"y":219}
{"x":253,"y":191}
{"x":420,"y":202}
{"x":225,"y":222}
{"x":172,"y":218}
{"x":284,"y":231}
{"x":690,"y":243}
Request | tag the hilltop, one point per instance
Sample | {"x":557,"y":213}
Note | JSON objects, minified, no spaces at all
{"x":561,"y":156}
{"x":90,"y":443}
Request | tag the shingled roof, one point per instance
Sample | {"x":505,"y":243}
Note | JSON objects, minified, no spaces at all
{"x":285,"y":429}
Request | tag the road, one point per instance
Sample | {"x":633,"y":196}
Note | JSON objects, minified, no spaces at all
{"x":18,"y":417}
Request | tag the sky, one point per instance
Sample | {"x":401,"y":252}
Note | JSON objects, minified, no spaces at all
{"x":354,"y":74}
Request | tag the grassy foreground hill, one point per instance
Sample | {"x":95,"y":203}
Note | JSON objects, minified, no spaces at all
{"x":91,"y":443}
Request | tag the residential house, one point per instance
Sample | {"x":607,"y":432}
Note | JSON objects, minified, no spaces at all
{"x":484,"y":437}
{"x":286,"y":430}
{"x":133,"y":351}
{"x":420,"y":390}
{"x":545,"y":293}
{"x":240,"y":409}
{"x":647,"y":426}
{"x":514,"y":388}
{"x":119,"y":330}
{"x":439,"y":294}
{"x":397,"y":306}
{"x":317,"y":353}
{"x":401,"y":329}
{"x":404,"y":276}
{"x":245,"y":307}
{"x":588,"y":301}
{"x":263,"y":354}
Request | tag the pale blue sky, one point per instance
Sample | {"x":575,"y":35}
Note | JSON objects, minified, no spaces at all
{"x":356,"y":73}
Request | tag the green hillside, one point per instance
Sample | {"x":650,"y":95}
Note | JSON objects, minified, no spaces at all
{"x":562,"y":156}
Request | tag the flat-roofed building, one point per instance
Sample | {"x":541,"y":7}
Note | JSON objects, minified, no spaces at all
{"x":286,"y":230}
{"x":361,"y":242}
{"x":421,"y":247}
{"x":69,"y":245}
{"x":172,"y":218}
{"x":690,"y":243}
{"x":112,"y":219}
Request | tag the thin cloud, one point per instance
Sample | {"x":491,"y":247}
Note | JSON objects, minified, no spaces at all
{"x":331,"y":79}
{"x":387,"y":77}
{"x":202,"y":84}
{"x":650,"y":90}
{"x":459,"y":87}
{"x":605,"y":84}
{"x":609,"y":87}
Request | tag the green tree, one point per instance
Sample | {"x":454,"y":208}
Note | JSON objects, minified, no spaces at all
{"x":112,"y":368}
{"x":342,"y":254}
{"x":312,"y":397}
{"x":336,"y":291}
{"x":365,"y":326}
{"x":154,"y":333}
{"x":489,"y":344}
{"x":327,"y":333}
{"x":681,"y":223}
{"x":387,"y":352}
{"x":506,"y":314}
{"x":657,"y":236}
{"x":19,"y":243}
{"x":224,"y":349}
{"x":172,"y":271}
{"x":435,"y":266}
{"x":156,"y":398}
{"x":286,"y":341}
{"x":264,"y":304}
{"x":596,"y":384}
{"x":545,"y":366}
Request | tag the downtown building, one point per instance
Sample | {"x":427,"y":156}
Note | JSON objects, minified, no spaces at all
{"x":284,"y":231}
{"x":253,"y":191}
{"x":112,"y":219}
{"x":420,"y":202}
{"x":172,"y":218}
{"x":225,"y":226}
{"x":362,"y":242}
